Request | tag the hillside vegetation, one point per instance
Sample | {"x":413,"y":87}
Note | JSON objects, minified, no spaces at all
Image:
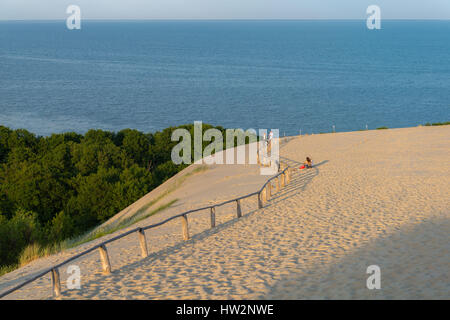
{"x":58,"y":187}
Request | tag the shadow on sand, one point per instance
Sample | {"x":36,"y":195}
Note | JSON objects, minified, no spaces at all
{"x":299,"y":180}
{"x":414,"y":264}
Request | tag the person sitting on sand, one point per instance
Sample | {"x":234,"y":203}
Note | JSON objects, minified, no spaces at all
{"x":307,"y":164}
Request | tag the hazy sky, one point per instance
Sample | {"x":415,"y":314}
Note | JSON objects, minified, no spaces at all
{"x":224,"y":9}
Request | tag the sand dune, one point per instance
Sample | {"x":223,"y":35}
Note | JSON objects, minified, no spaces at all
{"x":375,"y":197}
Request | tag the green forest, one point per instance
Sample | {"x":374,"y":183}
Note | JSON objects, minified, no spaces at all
{"x":60,"y":186}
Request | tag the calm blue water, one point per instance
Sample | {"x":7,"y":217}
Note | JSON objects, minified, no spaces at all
{"x":290,"y":75}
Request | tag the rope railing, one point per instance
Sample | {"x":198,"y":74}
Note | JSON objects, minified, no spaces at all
{"x":264,"y":194}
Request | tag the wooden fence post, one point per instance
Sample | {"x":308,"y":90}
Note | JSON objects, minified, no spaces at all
{"x":213,"y":217}
{"x":269,"y":190}
{"x":283,"y":181}
{"x":143,"y":243}
{"x":56,"y":283}
{"x":184,"y":222}
{"x":288,"y":179}
{"x":260,"y":204}
{"x":279,"y":183}
{"x":238,"y":208}
{"x":106,"y":265}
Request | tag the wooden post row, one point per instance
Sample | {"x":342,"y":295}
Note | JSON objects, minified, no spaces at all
{"x":106,"y":265}
{"x":143,"y":243}
{"x":184,"y":222}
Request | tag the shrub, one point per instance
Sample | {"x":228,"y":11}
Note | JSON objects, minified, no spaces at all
{"x":15,"y":234}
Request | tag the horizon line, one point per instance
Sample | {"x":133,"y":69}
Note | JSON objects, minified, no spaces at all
{"x":226,"y":19}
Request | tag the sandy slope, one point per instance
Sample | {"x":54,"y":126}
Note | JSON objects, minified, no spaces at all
{"x":375,"y":197}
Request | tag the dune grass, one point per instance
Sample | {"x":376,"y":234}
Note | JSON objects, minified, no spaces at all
{"x":32,"y":252}
{"x":437,"y":124}
{"x":136,"y":217}
{"x":123,"y":224}
{"x":6,"y":269}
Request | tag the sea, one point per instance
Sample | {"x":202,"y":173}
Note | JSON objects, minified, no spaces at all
{"x":298,"y":76}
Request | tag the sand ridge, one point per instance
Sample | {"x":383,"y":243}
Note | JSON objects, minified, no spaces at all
{"x":375,"y":197}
